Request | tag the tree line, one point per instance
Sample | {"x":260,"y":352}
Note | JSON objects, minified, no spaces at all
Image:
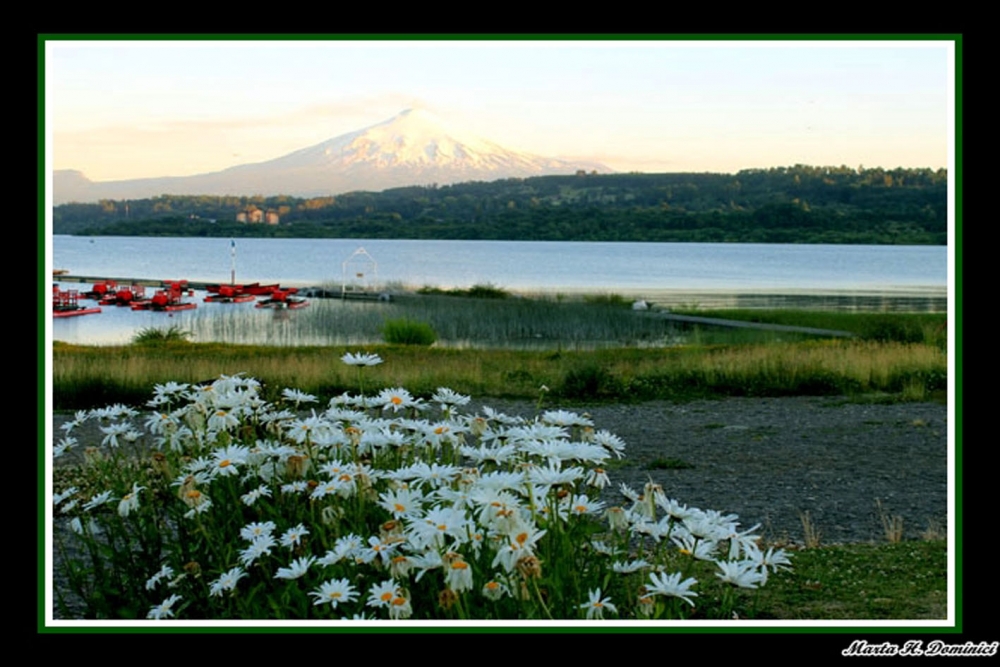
{"x":800,"y":204}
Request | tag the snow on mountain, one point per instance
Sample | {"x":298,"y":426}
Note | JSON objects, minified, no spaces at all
{"x":411,"y":148}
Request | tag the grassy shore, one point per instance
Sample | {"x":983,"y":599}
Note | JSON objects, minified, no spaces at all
{"x":902,"y":355}
{"x":86,"y":376}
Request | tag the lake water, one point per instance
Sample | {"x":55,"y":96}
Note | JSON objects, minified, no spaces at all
{"x":712,"y":274}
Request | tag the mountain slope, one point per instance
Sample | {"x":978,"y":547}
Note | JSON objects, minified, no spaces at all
{"x":412,"y":148}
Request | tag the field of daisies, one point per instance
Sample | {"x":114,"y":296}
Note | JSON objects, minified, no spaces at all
{"x":380,"y":506}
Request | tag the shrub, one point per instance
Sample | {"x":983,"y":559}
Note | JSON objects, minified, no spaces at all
{"x":487,"y":292}
{"x":155,"y":336}
{"x":590,"y":382}
{"x":408,"y":332}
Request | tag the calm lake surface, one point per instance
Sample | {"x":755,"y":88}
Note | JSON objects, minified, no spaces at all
{"x":515,"y":265}
{"x":753,"y":275}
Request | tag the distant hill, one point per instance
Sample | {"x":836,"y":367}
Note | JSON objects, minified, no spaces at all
{"x":411,"y":148}
{"x":800,"y":204}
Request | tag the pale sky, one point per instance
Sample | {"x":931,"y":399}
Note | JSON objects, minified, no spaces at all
{"x":133,"y":109}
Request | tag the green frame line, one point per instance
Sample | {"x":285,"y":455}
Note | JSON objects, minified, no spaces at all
{"x":44,"y":279}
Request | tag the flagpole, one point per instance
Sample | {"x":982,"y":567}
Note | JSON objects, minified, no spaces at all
{"x":232,"y":252}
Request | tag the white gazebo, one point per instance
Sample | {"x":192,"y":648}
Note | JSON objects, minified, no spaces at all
{"x":360,"y":272}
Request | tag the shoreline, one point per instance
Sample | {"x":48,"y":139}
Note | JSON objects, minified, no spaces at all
{"x":927,"y":298}
{"x":893,"y":298}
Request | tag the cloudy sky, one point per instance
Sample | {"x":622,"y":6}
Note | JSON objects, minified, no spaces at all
{"x":132,"y":109}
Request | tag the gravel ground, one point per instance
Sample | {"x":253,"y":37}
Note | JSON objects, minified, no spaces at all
{"x":769,"y":460}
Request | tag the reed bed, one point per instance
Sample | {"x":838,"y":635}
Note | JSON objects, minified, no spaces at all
{"x":515,"y":323}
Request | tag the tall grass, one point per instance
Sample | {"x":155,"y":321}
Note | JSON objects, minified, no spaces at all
{"x":813,"y":368}
{"x":468,"y":322}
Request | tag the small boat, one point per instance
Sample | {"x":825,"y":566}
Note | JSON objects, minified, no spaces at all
{"x":101,"y":291}
{"x":124,"y":296}
{"x":254,"y":289}
{"x":282,"y":299}
{"x":229,"y":294}
{"x":168,"y":299}
{"x":65,"y":303}
{"x":260,"y":290}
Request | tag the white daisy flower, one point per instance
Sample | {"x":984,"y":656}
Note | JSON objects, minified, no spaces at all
{"x":98,"y":500}
{"x":670,"y":585}
{"x":361,"y":359}
{"x":130,"y":501}
{"x":293,"y":536}
{"x":296,"y":569}
{"x":252,"y":531}
{"x":596,"y":605}
{"x":252,"y":496}
{"x":165,"y":609}
{"x":333,"y":592}
{"x":166,"y":572}
{"x":740,"y":573}
{"x":297,"y":397}
{"x":227,"y":581}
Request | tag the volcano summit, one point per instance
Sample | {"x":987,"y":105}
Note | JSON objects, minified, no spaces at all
{"x":411,"y":148}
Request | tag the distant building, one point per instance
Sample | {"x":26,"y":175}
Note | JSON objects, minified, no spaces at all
{"x":254,"y":215}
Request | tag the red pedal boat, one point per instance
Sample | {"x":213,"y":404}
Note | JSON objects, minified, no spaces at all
{"x":284,"y":299}
{"x":65,"y":304}
{"x":229,"y":294}
{"x":168,"y":299}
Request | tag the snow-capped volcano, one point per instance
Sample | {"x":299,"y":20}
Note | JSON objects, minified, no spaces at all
{"x":411,"y":148}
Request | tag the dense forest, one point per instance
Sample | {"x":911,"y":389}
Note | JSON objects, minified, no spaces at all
{"x":799,"y":204}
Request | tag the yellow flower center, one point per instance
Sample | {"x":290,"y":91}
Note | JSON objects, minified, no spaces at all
{"x":336,"y":594}
{"x":386,"y":597}
{"x":396,"y":400}
{"x":399,"y":508}
{"x":224,"y":463}
{"x":460,"y":565}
